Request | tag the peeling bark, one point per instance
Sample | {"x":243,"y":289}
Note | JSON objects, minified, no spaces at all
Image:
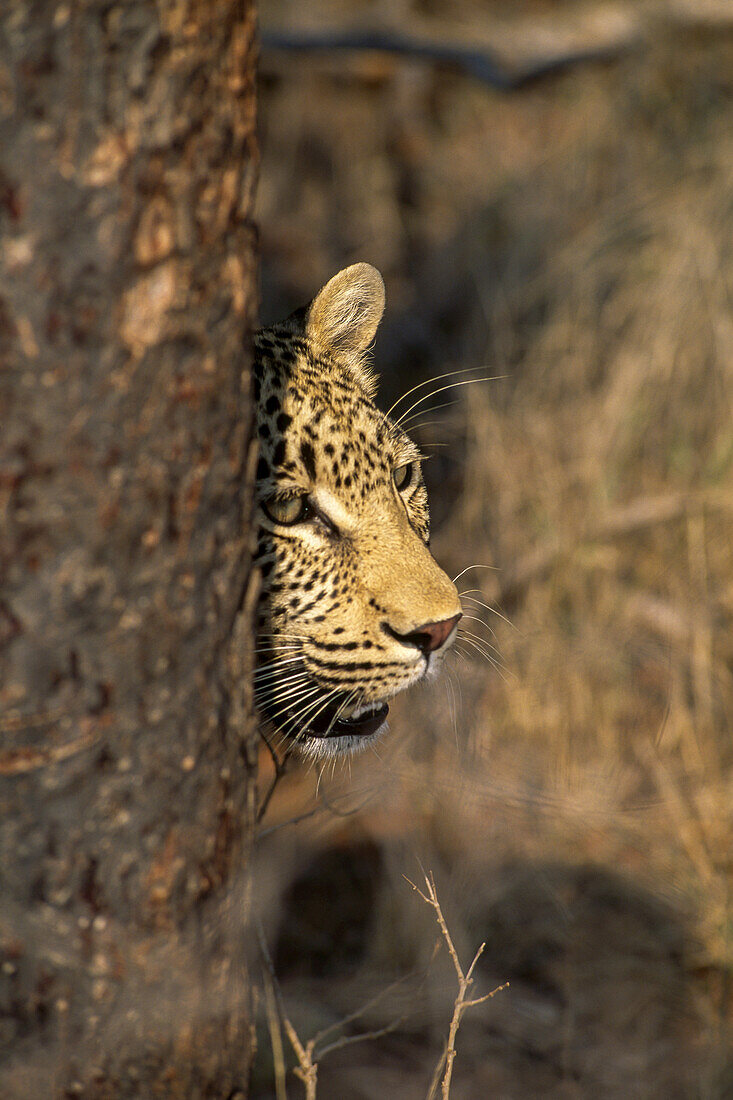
{"x":127,"y":763}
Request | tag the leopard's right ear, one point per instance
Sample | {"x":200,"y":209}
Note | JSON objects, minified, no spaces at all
{"x":344,"y":316}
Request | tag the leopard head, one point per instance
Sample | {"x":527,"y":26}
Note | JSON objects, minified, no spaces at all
{"x":353,"y":608}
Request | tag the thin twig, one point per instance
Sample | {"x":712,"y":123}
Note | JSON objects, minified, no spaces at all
{"x":356,"y":1015}
{"x":465,"y":981}
{"x":307,"y":1069}
{"x":362,"y":1037}
{"x":324,"y":805}
{"x":290,"y":821}
{"x":280,"y":769}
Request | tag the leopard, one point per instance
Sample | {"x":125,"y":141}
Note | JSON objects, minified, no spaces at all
{"x":353,"y":607}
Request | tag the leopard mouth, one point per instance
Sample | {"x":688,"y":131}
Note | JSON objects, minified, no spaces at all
{"x":364,"y":723}
{"x":331,"y":723}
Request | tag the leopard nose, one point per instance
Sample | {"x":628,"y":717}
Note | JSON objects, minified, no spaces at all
{"x":428,"y":637}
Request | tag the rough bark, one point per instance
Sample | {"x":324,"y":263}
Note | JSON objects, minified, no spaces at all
{"x":127,"y":275}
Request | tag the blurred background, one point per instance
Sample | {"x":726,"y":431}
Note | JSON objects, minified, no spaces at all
{"x":569,"y":779}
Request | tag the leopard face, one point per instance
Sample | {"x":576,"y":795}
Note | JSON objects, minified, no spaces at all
{"x":353,"y":607}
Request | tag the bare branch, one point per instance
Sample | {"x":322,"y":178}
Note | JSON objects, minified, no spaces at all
{"x":476,"y":958}
{"x":487,"y":996}
{"x":465,"y":981}
{"x":325,"y":803}
{"x":432,"y":900}
{"x":482,"y":64}
{"x":280,"y":769}
{"x":290,"y":821}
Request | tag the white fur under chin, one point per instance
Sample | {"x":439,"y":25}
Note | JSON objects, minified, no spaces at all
{"x":327,"y":748}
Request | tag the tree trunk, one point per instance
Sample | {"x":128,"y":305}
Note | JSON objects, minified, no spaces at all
{"x":127,"y":762}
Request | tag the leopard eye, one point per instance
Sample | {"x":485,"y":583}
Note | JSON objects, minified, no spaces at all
{"x":403,"y":475}
{"x":287,"y":510}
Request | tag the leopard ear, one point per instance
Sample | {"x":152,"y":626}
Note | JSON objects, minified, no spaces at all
{"x":344,"y":316}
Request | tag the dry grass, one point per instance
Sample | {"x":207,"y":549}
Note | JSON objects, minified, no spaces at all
{"x":577,"y":804}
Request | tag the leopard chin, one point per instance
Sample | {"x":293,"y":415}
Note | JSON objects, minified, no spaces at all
{"x":344,"y":743}
{"x":334,"y":729}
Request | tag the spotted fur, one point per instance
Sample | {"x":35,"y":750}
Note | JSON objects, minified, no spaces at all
{"x":354,"y":607}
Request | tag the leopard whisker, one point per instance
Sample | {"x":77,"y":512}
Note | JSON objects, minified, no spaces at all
{"x":415,"y":418}
{"x":494,"y":657}
{"x":270,"y":657}
{"x":429,"y":424}
{"x":428,"y":382}
{"x":451,"y":696}
{"x":310,"y":714}
{"x":459,"y":653}
{"x":477,"y":647}
{"x":475,"y":619}
{"x":486,"y":656}
{"x":280,"y":691}
{"x":444,"y":389}
{"x":494,"y":568}
{"x":351,"y":697}
{"x":346,"y":702}
{"x":275,"y":669}
{"x":493,"y":610}
{"x":274,"y":679}
{"x":265,"y":646}
{"x":287,"y":709}
{"x":469,"y":633}
{"x":276,"y":697}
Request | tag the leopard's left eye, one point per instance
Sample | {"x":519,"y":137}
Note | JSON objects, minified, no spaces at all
{"x":403,"y":476}
{"x":287,"y":510}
